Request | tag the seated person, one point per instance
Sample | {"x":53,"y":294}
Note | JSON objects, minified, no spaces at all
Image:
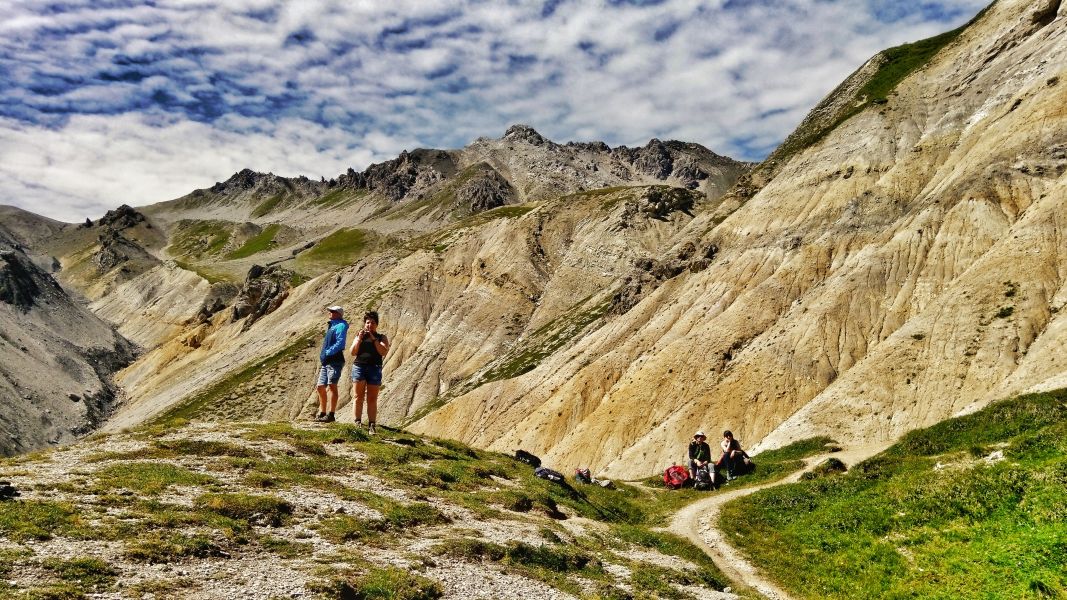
{"x":732,"y":455}
{"x":699,"y":453}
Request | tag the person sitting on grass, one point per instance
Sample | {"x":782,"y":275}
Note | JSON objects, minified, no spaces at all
{"x":699,"y":453}
{"x":732,"y":456}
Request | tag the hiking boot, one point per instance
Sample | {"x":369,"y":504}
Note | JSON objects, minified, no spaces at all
{"x":329,"y":418}
{"x":370,"y":428}
{"x":359,"y":424}
{"x":319,"y":417}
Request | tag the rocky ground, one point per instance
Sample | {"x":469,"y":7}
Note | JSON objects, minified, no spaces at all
{"x":266,"y":510}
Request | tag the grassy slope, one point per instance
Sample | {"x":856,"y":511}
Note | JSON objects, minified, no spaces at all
{"x":120,"y":496}
{"x":256,"y":244}
{"x":898,"y":525}
{"x":342,"y":247}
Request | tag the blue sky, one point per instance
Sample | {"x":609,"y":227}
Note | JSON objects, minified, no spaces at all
{"x":106,"y":102}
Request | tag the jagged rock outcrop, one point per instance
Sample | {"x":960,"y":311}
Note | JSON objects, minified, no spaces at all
{"x":525,"y":133}
{"x":217,"y":299}
{"x":18,"y":285}
{"x":121,"y":218}
{"x":654,"y":160}
{"x":264,"y":290}
{"x":410,"y":171}
{"x":485,"y":190}
{"x":244,"y":179}
{"x":116,"y":250}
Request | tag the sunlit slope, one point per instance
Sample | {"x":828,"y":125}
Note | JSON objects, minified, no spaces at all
{"x":907,"y":265}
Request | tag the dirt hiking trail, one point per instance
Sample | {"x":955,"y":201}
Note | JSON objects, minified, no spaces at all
{"x":699,"y":523}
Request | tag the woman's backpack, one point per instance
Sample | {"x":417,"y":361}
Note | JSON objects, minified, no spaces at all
{"x":675,"y":476}
{"x":583,"y":476}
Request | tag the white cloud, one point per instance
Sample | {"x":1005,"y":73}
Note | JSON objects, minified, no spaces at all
{"x":370,"y":79}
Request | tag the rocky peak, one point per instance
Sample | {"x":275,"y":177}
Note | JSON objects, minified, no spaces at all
{"x":393,"y":179}
{"x":655,"y":159}
{"x":524,"y":133}
{"x":121,"y":218}
{"x":243,"y":179}
{"x":598,"y":147}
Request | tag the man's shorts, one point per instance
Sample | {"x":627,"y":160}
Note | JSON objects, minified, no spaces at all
{"x":372,"y":374}
{"x":330,"y":373}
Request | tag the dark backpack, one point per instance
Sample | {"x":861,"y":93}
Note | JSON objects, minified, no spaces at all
{"x":675,"y":476}
{"x":526,"y":457}
{"x":747,"y":466}
{"x":583,"y":476}
{"x":703,"y":479}
{"x":549,"y":474}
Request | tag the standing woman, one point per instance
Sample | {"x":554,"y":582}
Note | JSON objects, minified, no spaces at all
{"x":368,"y":350}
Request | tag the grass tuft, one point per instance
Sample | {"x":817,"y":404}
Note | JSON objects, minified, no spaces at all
{"x":156,"y":548}
{"x":149,"y":478}
{"x":388,"y":583}
{"x":40,"y":520}
{"x":88,"y":573}
{"x":267,"y":510}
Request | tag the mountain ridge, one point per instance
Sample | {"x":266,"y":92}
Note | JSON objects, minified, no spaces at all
{"x":856,"y":290}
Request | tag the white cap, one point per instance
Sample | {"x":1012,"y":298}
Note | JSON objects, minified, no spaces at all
{"x":336,"y":309}
{"x":699,"y":434}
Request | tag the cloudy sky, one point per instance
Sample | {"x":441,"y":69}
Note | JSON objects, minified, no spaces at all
{"x":104,"y":102}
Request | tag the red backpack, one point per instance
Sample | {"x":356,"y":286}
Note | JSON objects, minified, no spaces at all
{"x":675,"y":476}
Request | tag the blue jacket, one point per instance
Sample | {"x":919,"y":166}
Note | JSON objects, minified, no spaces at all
{"x":333,"y":345}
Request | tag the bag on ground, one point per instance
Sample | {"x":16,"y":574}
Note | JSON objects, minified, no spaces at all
{"x":549,"y":474}
{"x":583,"y":476}
{"x":747,"y":466}
{"x":526,"y":457}
{"x":703,"y":479}
{"x":675,"y":476}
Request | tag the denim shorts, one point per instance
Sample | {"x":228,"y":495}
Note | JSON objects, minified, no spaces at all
{"x":372,"y":374}
{"x":330,"y":373}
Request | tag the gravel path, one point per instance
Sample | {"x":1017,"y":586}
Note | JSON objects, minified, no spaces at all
{"x":699,"y":523}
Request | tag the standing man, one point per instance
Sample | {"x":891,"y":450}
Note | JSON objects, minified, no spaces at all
{"x":332,"y":359}
{"x":368,"y":349}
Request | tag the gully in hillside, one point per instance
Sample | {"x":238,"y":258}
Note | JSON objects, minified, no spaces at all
{"x":332,"y":359}
{"x":368,"y":350}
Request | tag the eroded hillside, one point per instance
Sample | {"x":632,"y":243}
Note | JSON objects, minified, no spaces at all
{"x":906,"y":266}
{"x":56,"y":357}
{"x":900,"y":259}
